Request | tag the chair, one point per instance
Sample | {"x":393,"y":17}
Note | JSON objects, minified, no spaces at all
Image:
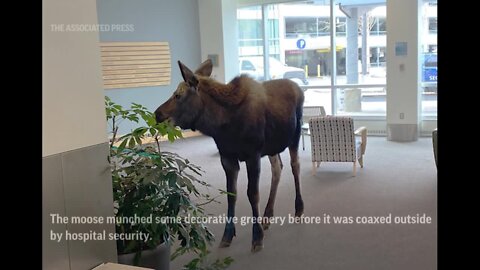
{"x":308,"y":113}
{"x":435,"y":146}
{"x":333,"y":140}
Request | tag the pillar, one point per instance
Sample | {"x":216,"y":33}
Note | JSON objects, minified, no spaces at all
{"x":403,"y":73}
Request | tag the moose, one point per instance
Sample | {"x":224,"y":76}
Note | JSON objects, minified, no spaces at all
{"x":247,"y":120}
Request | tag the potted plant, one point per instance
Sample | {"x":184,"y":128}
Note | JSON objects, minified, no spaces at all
{"x":154,"y":193}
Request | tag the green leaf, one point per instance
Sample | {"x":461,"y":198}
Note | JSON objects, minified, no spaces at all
{"x":122,"y":145}
{"x":138,"y":140}
{"x":131,"y":143}
{"x":153,"y":132}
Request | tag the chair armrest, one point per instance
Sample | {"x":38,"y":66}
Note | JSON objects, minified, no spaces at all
{"x":363,"y":132}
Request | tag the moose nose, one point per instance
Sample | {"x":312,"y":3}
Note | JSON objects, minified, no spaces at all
{"x":159,"y":116}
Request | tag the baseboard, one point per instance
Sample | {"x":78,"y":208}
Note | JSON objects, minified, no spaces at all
{"x":402,"y":132}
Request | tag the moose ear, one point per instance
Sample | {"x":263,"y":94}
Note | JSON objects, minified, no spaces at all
{"x":188,"y":75}
{"x":205,"y":68}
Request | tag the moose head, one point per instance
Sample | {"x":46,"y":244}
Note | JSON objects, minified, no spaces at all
{"x":185,"y":105}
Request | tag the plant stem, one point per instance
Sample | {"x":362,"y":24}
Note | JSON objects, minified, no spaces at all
{"x":158,"y":143}
{"x":208,"y":201}
{"x":115,"y":130}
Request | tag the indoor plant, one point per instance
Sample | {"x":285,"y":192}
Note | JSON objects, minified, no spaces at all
{"x":157,"y":186}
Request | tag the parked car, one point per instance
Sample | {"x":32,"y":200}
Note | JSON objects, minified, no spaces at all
{"x":253,"y":66}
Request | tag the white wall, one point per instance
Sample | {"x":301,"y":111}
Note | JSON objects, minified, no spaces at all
{"x":211,"y":34}
{"x":230,"y":38}
{"x":76,"y":180}
{"x":402,"y":71}
{"x":73,"y":111}
{"x":218,"y":35}
{"x":403,"y":85}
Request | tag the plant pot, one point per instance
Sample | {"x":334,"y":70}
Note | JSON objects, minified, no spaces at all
{"x":158,"y":258}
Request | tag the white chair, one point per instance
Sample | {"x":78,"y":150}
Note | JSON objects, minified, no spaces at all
{"x":308,"y":113}
{"x":333,"y":140}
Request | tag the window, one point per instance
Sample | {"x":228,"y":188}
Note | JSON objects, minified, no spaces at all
{"x":428,"y":63}
{"x":302,"y":46}
{"x":341,"y":26}
{"x":377,"y":57}
{"x":432,"y":25}
{"x":378,"y":26}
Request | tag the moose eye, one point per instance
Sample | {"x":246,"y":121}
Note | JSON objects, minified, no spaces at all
{"x":177,"y":96}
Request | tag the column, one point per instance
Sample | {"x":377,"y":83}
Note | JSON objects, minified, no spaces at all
{"x":403,"y":74}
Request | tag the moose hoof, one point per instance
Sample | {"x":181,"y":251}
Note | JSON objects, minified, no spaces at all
{"x":257,"y":246}
{"x":224,"y":244}
{"x":266,"y":225}
{"x":228,"y":235}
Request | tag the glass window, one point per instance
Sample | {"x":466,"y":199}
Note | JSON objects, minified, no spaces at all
{"x":357,"y":99}
{"x":300,"y":50}
{"x":382,"y":25}
{"x":341,"y":26}
{"x":377,"y":57}
{"x":378,"y":26}
{"x":428,"y":61}
{"x":432,"y":25}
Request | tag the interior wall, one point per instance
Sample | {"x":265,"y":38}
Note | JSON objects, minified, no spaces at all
{"x":71,"y":79}
{"x":218,"y":36}
{"x":76,"y":179}
{"x":176,"y":22}
{"x":211,"y":34}
{"x":230,"y":39}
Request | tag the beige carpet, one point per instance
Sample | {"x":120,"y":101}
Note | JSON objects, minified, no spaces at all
{"x":399,"y":179}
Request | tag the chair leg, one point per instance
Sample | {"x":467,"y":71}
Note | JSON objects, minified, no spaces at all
{"x":360,"y":161}
{"x":303,"y":141}
{"x":354,"y":168}
{"x":318,"y":164}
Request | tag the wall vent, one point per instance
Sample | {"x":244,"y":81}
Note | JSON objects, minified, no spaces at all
{"x":376,"y":132}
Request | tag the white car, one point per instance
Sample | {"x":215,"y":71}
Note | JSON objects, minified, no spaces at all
{"x":253,"y":66}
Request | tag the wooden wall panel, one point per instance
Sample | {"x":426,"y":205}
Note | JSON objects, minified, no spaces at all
{"x":135,"y":64}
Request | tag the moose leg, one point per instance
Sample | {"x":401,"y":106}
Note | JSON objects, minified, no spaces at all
{"x":296,"y":176}
{"x":253,"y":174}
{"x":231,"y":168}
{"x":277,"y":166}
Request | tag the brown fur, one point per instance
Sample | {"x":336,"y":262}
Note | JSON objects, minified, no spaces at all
{"x":230,"y":94}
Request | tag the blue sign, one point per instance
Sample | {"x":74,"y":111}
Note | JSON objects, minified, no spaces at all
{"x":429,"y":67}
{"x":430,"y":74}
{"x":301,"y":43}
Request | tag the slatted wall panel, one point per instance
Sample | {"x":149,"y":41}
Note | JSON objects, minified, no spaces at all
{"x":135,"y":64}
